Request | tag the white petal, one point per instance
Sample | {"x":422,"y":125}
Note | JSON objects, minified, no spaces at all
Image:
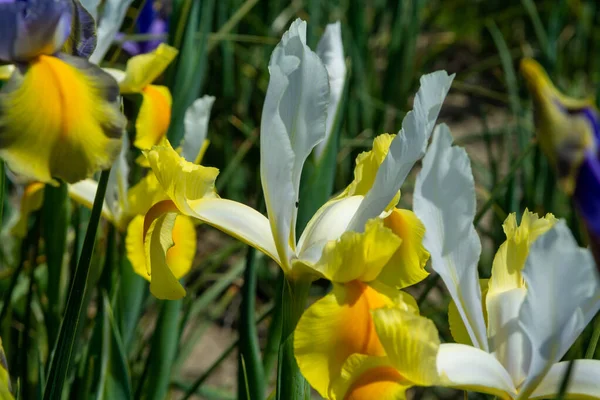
{"x":406,"y":148}
{"x":563,"y":290}
{"x":108,"y":22}
{"x":473,"y":369}
{"x":328,"y":223}
{"x":237,"y":220}
{"x":196,"y":127}
{"x":91,"y":6}
{"x":117,"y":74}
{"x":293,"y":122}
{"x":507,"y":340}
{"x":444,"y":200}
{"x":84,"y":192}
{"x":118,"y":183}
{"x":331,"y":51}
{"x":583,"y":382}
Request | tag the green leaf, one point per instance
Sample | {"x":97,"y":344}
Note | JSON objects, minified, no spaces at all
{"x":163,"y":350}
{"x":115,"y":381}
{"x":250,"y":368}
{"x":130,"y":299}
{"x":191,"y":64}
{"x":63,"y":351}
{"x":55,"y":222}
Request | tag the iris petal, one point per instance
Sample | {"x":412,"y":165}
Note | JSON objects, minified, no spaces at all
{"x":82,"y":40}
{"x":407,"y":266}
{"x":75,"y":133}
{"x":29,"y":29}
{"x":142,"y":70}
{"x":333,"y":328}
{"x":179,"y":257}
{"x":154,"y":116}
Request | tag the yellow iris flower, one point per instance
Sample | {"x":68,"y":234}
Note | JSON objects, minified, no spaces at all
{"x":512,"y":330}
{"x":291,"y":126}
{"x":154,"y":114}
{"x":75,"y":128}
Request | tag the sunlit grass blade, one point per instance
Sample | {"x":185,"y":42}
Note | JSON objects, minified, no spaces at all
{"x":190,"y":66}
{"x":63,"y":350}
{"x":163,"y":350}
{"x":55,"y":222}
{"x":248,"y":347}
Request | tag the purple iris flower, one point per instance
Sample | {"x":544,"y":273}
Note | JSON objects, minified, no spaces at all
{"x":150,"y":21}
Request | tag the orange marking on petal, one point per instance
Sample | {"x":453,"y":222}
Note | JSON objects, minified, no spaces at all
{"x":376,"y":383}
{"x":161,"y":111}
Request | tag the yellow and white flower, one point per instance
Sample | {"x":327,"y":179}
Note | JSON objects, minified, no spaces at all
{"x":512,"y":330}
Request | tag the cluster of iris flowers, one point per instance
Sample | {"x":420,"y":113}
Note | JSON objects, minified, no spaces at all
{"x":365,"y":339}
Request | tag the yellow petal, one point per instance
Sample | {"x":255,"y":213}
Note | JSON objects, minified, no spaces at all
{"x":134,"y":243}
{"x":183,"y":181}
{"x":145,"y":194}
{"x":143,"y":69}
{"x":32,"y":200}
{"x":367,"y":378}
{"x":333,"y":328}
{"x":457,"y":326}
{"x":359,"y":256}
{"x":6,"y":71}
{"x":179,"y":257}
{"x":510,"y":258}
{"x":367,"y":164}
{"x":411,"y":343}
{"x":407,"y":266}
{"x":70,"y":131}
{"x":5,"y":386}
{"x":154,"y":116}
{"x":158,"y":239}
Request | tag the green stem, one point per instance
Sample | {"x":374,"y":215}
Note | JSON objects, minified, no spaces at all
{"x":291,"y":385}
{"x":55,"y":222}
{"x":591,"y":350}
{"x":2,"y":177}
{"x":249,"y":350}
{"x":274,"y":333}
{"x":63,"y":351}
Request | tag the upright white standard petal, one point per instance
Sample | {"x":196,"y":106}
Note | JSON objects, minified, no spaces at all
{"x":406,"y":148}
{"x":562,"y":282}
{"x":583,"y":382}
{"x":331,"y":51}
{"x":108,"y":21}
{"x":444,"y":200}
{"x":293,"y":122}
{"x":196,"y":127}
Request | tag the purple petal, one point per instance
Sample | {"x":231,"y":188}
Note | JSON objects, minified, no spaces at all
{"x":33,"y":27}
{"x":587,"y":192}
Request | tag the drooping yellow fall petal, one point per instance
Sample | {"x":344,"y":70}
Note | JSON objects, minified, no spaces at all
{"x":143,"y":69}
{"x":367,"y":378}
{"x":333,"y":328}
{"x":183,"y":181}
{"x":457,"y":326}
{"x":407,"y":265}
{"x":411,"y":343}
{"x":179,"y":257}
{"x":71,"y":131}
{"x":154,"y":116}
{"x":358,"y":256}
{"x":158,"y":239}
{"x":510,"y":257}
{"x":32,"y":200}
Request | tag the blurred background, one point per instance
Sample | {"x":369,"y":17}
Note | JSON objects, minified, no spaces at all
{"x":224,"y":52}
